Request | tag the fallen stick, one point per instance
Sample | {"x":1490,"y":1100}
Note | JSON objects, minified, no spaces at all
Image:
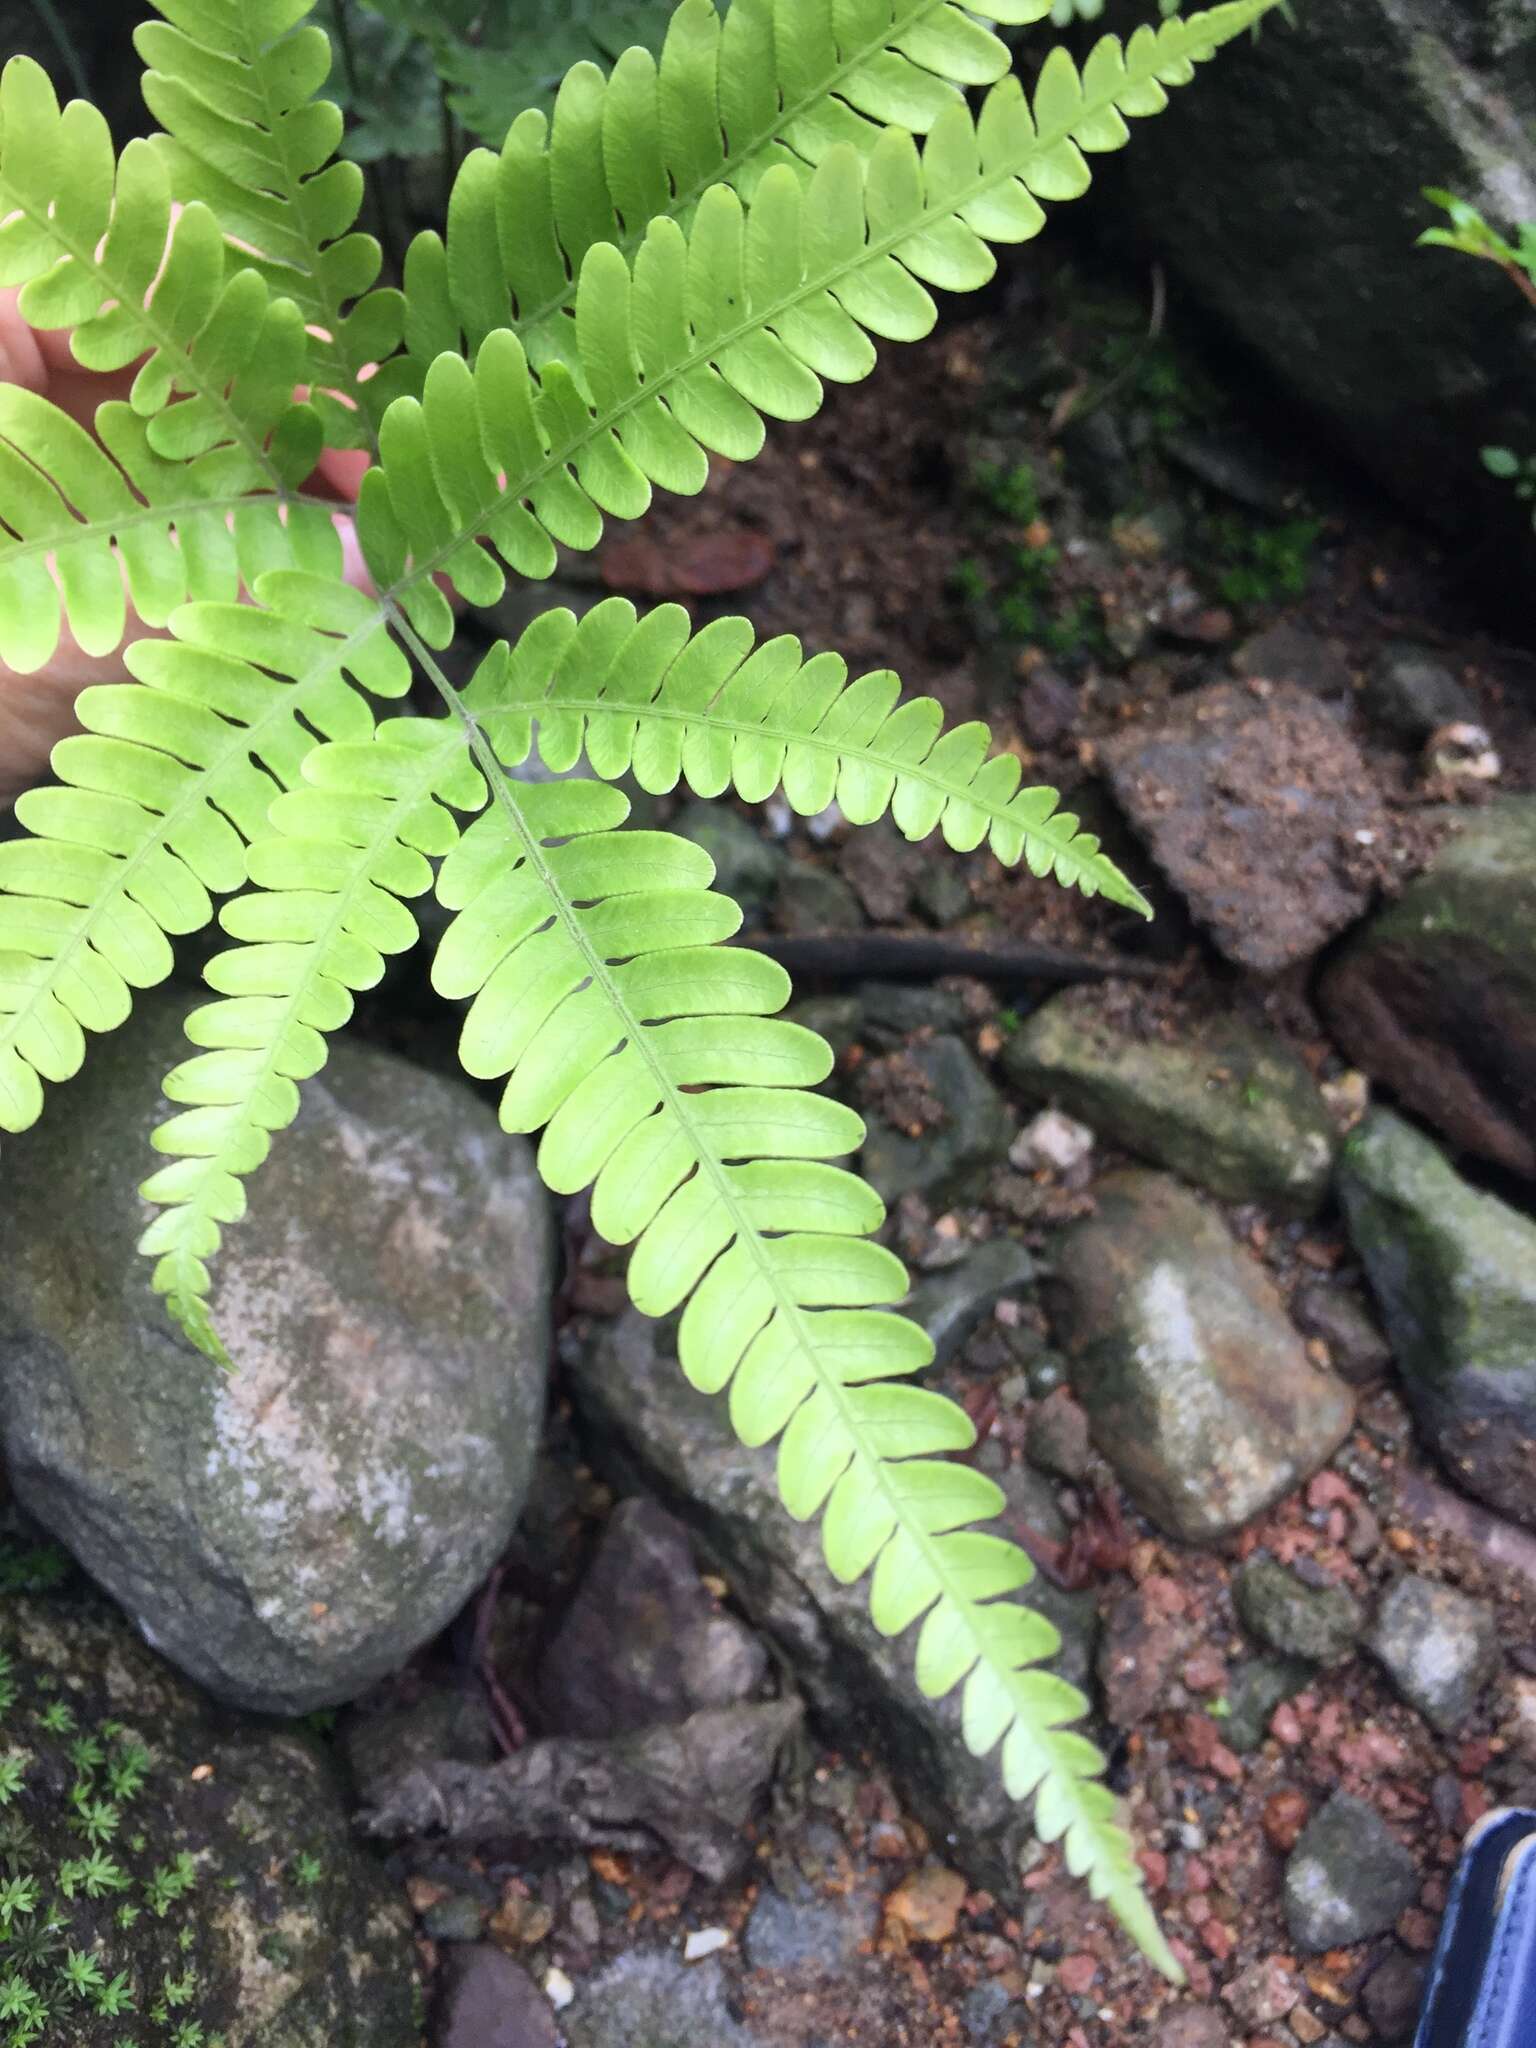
{"x":862,"y":956}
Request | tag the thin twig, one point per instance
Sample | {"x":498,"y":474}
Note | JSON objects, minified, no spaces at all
{"x":857,"y":956}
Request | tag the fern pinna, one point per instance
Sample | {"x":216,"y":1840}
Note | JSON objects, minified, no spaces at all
{"x":691,"y":242}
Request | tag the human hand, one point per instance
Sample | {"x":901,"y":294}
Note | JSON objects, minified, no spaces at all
{"x":38,"y":709}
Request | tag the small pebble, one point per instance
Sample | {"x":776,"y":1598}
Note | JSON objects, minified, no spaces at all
{"x":1050,"y":1140}
{"x":558,"y":1989}
{"x":705,"y":1941}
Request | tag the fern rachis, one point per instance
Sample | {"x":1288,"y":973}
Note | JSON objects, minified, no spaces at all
{"x":649,"y":1054}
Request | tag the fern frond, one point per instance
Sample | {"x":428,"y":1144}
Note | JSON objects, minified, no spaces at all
{"x":171,"y":777}
{"x":745,"y":314}
{"x":90,"y":524}
{"x":650,"y":697}
{"x":344,"y":854}
{"x":91,"y":241}
{"x":778,"y":81}
{"x":653,"y":1059}
{"x":233,"y":83}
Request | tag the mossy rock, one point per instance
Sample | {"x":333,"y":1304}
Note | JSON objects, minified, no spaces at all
{"x":1436,"y":995}
{"x":1454,"y":1270}
{"x":1226,"y":1106}
{"x":192,"y":1870}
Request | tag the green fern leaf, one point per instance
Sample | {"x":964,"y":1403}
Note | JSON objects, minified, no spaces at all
{"x":92,"y":243}
{"x":778,"y":81}
{"x":171,"y":777}
{"x":332,"y":876}
{"x":653,"y":1060}
{"x":233,"y":83}
{"x":683,"y":351}
{"x":652,"y":699}
{"x":82,"y":516}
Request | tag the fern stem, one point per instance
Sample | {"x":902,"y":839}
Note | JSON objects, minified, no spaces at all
{"x":877,"y":1467}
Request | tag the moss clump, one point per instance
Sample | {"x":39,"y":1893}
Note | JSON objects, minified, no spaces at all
{"x":172,"y":1876}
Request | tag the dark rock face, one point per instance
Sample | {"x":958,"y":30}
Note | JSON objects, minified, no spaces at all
{"x":655,"y":1997}
{"x":1436,"y":996}
{"x":1412,"y":361}
{"x":292,"y":1938}
{"x":1252,"y":806}
{"x":290,"y":1532}
{"x":1455,"y":1273}
{"x":689,"y":1786}
{"x":643,"y":1642}
{"x":1198,"y":1390}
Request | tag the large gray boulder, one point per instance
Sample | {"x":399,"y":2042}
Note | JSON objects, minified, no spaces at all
{"x":1198,"y":1390}
{"x":1285,"y":191}
{"x":1436,"y":994}
{"x":290,"y":1532}
{"x":250,"y":1902}
{"x":1455,"y":1273}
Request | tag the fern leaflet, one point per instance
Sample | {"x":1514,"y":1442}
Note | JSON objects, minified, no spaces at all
{"x":82,"y":516}
{"x":95,"y":247}
{"x":683,"y":351}
{"x":778,"y":81}
{"x":172,"y":776}
{"x":331,"y":877}
{"x":650,"y":698}
{"x":234,"y":83}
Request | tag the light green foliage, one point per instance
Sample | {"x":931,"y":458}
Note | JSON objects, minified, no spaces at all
{"x":234,"y":91}
{"x":689,"y":245}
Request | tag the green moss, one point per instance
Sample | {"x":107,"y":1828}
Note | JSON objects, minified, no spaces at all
{"x":1254,"y":563}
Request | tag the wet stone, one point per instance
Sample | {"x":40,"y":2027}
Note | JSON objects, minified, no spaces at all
{"x":485,"y":2000}
{"x":812,"y":899}
{"x":1255,"y":1687}
{"x":1197,"y":1388}
{"x":1436,"y":995}
{"x":649,"y":1429}
{"x":1321,"y":1624}
{"x":646,"y":1996}
{"x":950,"y":1304}
{"x":292,"y":1531}
{"x":973,"y":1131}
{"x":1347,"y":1878}
{"x":1438,"y":1646}
{"x":748,"y":868}
{"x":1454,"y":1272}
{"x":1410,"y":692}
{"x":1358,"y":1351}
{"x":815,"y":1932}
{"x":644,"y":1640}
